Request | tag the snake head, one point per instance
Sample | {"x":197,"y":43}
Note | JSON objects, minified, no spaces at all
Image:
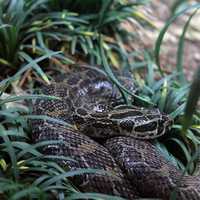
{"x":136,"y":122}
{"x":141,"y":123}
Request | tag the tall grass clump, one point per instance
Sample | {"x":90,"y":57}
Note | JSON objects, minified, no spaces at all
{"x":29,"y":29}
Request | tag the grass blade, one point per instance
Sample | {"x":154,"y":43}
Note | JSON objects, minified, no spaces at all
{"x":164,"y":30}
{"x":192,"y":101}
{"x":180,"y":52}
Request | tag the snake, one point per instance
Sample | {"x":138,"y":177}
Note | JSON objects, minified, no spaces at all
{"x":109,"y":136}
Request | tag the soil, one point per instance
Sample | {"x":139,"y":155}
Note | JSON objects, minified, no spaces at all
{"x":158,"y":12}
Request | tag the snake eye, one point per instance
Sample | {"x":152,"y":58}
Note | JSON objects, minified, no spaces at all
{"x":127,"y":125}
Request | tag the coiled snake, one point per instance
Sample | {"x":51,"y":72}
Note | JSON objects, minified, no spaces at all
{"x":93,"y":104}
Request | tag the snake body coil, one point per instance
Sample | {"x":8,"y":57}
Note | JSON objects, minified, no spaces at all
{"x":90,"y":102}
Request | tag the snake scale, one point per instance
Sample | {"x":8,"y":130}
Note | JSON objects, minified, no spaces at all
{"x":109,"y":136}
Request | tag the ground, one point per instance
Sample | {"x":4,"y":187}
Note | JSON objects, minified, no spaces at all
{"x":158,"y":12}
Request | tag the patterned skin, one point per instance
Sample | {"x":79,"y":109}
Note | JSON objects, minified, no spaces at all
{"x":94,"y":107}
{"x":156,"y":177}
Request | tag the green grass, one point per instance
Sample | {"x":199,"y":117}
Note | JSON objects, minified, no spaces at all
{"x":35,"y":36}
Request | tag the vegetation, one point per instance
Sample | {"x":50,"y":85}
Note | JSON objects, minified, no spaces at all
{"x":38,"y":38}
